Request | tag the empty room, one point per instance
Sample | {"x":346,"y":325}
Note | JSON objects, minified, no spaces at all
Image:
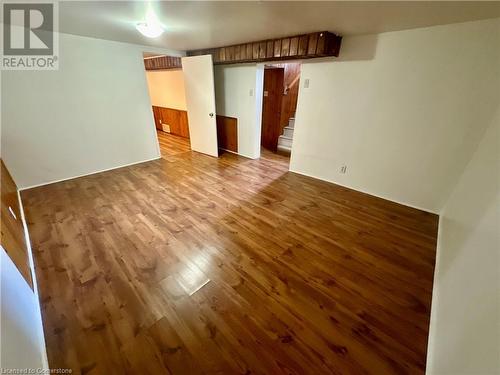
{"x":250,"y":187}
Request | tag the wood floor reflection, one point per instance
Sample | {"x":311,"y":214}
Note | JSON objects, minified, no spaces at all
{"x":192,"y":264}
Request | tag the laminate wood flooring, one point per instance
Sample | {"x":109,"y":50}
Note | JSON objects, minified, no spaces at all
{"x":198,"y":265}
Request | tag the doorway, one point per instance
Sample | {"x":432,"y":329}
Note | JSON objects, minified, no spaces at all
{"x":165,"y":80}
{"x":182,"y":97}
{"x":279,"y":103}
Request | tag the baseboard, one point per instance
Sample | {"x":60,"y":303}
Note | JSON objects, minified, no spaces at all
{"x":231,"y":152}
{"x":237,"y":153}
{"x":369,"y":193}
{"x":431,"y":338}
{"x":88,"y":174}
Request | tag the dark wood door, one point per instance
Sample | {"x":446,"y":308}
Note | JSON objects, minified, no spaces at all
{"x":271,"y":107}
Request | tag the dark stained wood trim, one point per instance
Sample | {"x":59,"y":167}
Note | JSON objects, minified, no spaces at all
{"x":162,"y":62}
{"x":306,"y":46}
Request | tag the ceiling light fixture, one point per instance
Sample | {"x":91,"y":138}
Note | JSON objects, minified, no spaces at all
{"x":152,"y":28}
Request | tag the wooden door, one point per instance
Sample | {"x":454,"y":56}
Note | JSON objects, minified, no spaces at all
{"x":271,"y":107}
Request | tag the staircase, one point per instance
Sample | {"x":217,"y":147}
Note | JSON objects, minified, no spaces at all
{"x":285,"y":140}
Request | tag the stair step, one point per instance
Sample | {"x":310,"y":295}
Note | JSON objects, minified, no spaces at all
{"x":288,"y":131}
{"x":285,"y":141}
{"x":291,"y":122}
{"x":284,"y":149}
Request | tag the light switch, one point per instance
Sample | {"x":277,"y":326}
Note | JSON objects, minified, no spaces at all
{"x":306,"y":83}
{"x":251,"y":92}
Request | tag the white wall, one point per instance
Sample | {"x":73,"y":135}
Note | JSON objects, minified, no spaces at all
{"x":166,"y":88}
{"x":465,"y":321}
{"x":403,"y":110}
{"x":238,"y":93}
{"x":22,"y":341}
{"x":21,"y":333}
{"x":92,"y":114}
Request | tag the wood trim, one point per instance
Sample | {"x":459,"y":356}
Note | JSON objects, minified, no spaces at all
{"x":162,"y":62}
{"x":13,"y":238}
{"x":306,"y":46}
{"x":177,"y":119}
{"x":227,"y":133}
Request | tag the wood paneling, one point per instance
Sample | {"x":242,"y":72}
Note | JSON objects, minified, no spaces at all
{"x":162,"y":62}
{"x":271,"y":107}
{"x":13,"y":239}
{"x":321,"y":44}
{"x":277,"y":48}
{"x":294,"y":46}
{"x":262,"y":51}
{"x":270,"y":49}
{"x":177,"y":119}
{"x":192,"y":264}
{"x":304,"y":46}
{"x":237,"y":52}
{"x":302,"y":50}
{"x":227,"y":133}
{"x":157,"y":117}
{"x":312,"y":44}
{"x":285,"y":47}
{"x":291,"y":84}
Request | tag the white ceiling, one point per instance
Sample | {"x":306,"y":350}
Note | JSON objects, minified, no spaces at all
{"x":193,"y":25}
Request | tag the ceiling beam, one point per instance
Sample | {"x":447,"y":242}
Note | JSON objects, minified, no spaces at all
{"x":305,"y":46}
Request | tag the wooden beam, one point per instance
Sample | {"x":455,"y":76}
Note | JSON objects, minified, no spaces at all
{"x":162,"y":62}
{"x":306,"y":46}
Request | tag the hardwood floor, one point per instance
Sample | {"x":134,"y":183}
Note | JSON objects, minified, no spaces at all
{"x":192,"y":264}
{"x":171,"y":145}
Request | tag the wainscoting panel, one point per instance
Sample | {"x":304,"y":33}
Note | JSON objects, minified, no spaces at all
{"x":227,"y":133}
{"x":176,"y":119}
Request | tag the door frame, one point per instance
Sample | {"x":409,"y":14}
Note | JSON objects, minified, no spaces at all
{"x":273,"y":133}
{"x":259,"y":93}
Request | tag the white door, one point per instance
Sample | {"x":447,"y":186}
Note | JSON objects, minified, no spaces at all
{"x":200,"y":102}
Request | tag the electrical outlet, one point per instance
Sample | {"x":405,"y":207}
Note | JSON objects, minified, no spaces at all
{"x":306,"y":83}
{"x":343,"y":169}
